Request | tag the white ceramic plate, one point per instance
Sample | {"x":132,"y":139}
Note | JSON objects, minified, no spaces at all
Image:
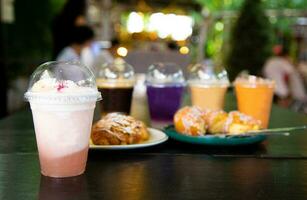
{"x":156,"y":137}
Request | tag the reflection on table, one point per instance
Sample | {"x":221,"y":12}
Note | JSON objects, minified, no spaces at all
{"x":63,"y":188}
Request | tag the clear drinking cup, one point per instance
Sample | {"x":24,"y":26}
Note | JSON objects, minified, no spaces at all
{"x":165,"y":88}
{"x":254,"y":97}
{"x":116,"y":81}
{"x":208,"y":85}
{"x":62,"y":97}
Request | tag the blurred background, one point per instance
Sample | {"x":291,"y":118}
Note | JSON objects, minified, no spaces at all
{"x":262,"y":37}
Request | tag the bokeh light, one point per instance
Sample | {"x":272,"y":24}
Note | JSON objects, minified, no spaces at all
{"x":219,"y":26}
{"x":122,"y":51}
{"x":135,"y":23}
{"x":184,"y":50}
{"x":177,"y":27}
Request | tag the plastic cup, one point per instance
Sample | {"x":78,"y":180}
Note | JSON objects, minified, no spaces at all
{"x":165,"y":88}
{"x":254,"y":97}
{"x":208,"y":85}
{"x":62,"y":97}
{"x":116,"y":81}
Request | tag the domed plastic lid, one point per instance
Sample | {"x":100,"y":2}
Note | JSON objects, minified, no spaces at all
{"x":116,"y":74}
{"x":62,"y":82}
{"x":247,"y":80}
{"x":206,"y":74}
{"x":164,"y":74}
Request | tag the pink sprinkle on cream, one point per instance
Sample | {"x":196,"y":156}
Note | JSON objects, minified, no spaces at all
{"x":60,"y":86}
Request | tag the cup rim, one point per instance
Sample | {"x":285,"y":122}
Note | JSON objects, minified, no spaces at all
{"x":114,"y":83}
{"x":59,"y":98}
{"x":253,"y":81}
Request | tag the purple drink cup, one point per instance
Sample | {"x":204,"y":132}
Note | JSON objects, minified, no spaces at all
{"x":164,"y":101}
{"x":165,"y":88}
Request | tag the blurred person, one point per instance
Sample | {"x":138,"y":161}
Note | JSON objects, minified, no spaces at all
{"x":302,"y":68}
{"x":81,"y":39}
{"x":289,"y":86}
{"x":103,"y":57}
{"x":72,"y":14}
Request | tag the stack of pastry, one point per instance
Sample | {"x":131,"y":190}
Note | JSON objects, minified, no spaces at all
{"x":118,"y":129}
{"x":195,"y":121}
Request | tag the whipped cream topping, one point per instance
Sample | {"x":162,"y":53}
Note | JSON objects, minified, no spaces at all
{"x":51,"y":85}
{"x":52,"y":91}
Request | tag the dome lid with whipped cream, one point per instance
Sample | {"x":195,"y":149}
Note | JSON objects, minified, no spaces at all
{"x":116,"y":73}
{"x":164,"y":74}
{"x":207,"y":73}
{"x":60,"y":82}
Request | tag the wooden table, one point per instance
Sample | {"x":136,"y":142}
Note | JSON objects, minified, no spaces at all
{"x":275,"y":169}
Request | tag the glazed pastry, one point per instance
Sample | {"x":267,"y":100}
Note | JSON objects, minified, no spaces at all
{"x":195,"y":121}
{"x":232,"y":123}
{"x":240,"y":123}
{"x":216,"y":121}
{"x":118,"y":129}
{"x":190,"y":121}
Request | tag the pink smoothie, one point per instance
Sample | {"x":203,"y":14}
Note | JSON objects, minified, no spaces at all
{"x":65,"y":166}
{"x":62,"y":134}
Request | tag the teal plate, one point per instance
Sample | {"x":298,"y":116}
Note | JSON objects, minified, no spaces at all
{"x":213,"y":140}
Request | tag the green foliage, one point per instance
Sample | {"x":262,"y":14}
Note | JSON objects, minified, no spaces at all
{"x":28,"y":39}
{"x":219,"y":5}
{"x":56,"y":6}
{"x":215,"y":40}
{"x":250,"y":40}
{"x":291,"y":4}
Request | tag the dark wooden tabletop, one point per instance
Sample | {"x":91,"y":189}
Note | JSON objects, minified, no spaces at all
{"x":274,"y":169}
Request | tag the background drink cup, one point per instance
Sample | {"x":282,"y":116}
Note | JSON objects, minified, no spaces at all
{"x":116,"y":81}
{"x":208,"y":85}
{"x":62,"y":105}
{"x":165,"y":88}
{"x":254,"y":97}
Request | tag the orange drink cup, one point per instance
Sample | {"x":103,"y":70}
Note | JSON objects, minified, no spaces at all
{"x":254,"y":97}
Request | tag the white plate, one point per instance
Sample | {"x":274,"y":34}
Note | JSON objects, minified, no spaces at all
{"x":156,"y":137}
